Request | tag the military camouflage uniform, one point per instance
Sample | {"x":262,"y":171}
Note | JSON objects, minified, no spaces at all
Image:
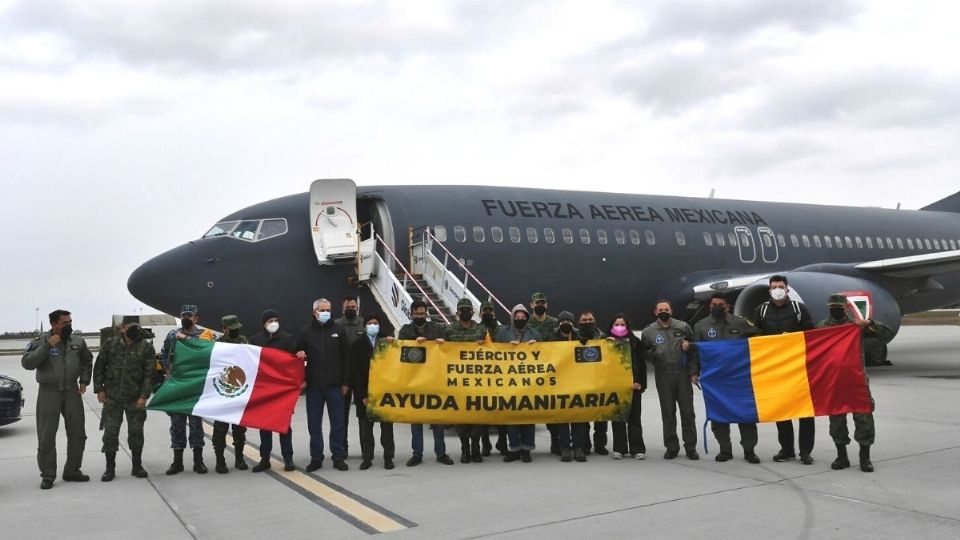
{"x":864,"y":430}
{"x":178,"y":422}
{"x":729,"y":327}
{"x":60,"y":369}
{"x":470,"y":434}
{"x":123,"y":372}
{"x":672,"y":371}
{"x":220,"y":429}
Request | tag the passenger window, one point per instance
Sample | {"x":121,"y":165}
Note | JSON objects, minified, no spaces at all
{"x":271,"y":228}
{"x":548,"y":235}
{"x":767,"y":241}
{"x":681,"y":239}
{"x":496,"y":234}
{"x":721,"y":240}
{"x":827,"y":241}
{"x":880,"y":242}
{"x":890,"y":243}
{"x":744,"y":239}
{"x":816,"y":241}
{"x":440,"y":233}
{"x":459,"y":233}
{"x":707,"y":239}
{"x":732,"y":238}
{"x":836,"y":242}
{"x":953,"y":244}
{"x":532,"y":235}
{"x":795,"y":243}
{"x":869,"y":242}
{"x":567,"y":236}
{"x":806,"y":240}
{"x":927,"y":243}
{"x":514,"y":235}
{"x":620,"y":237}
{"x":635,"y":238}
{"x":909,"y":243}
{"x":602,"y":236}
{"x":651,"y":239}
{"x":780,"y":241}
{"x":220,"y":229}
{"x":478,"y":234}
{"x":849,"y":243}
{"x":858,"y":241}
{"x":584,"y":236}
{"x":246,"y":230}
{"x":936,"y":243}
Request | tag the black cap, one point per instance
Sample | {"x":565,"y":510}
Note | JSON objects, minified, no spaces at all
{"x":130,"y":319}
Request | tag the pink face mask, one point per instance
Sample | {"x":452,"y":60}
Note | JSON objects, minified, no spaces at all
{"x":619,"y":331}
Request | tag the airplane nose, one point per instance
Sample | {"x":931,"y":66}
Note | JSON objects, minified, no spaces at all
{"x":164,"y":282}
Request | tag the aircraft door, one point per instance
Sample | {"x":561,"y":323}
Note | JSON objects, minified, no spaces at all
{"x":768,"y":245}
{"x":748,"y":250}
{"x":333,"y":220}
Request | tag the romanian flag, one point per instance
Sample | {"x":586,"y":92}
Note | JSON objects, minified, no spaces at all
{"x":796,"y":375}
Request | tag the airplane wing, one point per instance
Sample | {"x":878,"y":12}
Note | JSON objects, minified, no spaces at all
{"x":915,"y":266}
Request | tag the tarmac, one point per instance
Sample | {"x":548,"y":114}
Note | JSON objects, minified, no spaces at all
{"x":913,"y":493}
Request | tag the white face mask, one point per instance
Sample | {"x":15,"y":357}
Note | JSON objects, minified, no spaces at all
{"x":778,"y":294}
{"x":323,"y":316}
{"x":373,"y":330}
{"x":272,"y":327}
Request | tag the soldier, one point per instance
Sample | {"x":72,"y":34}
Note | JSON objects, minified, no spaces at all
{"x":864,"y":432}
{"x":273,"y":337}
{"x":721,"y":324}
{"x":521,"y":437}
{"x":122,"y":382}
{"x":354,"y":325}
{"x":462,"y":331}
{"x":323,"y":343}
{"x":628,"y":436}
{"x":666,"y":342}
{"x":587,"y":329}
{"x":189,"y":330}
{"x":778,"y":316}
{"x":573,"y":437}
{"x":230,"y":326}
{"x":64,"y":365}
{"x":545,"y":325}
{"x":360,"y":354}
{"x":488,"y":317}
{"x":420,"y":330}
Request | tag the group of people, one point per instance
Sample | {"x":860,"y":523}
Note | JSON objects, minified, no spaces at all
{"x":337,"y":352}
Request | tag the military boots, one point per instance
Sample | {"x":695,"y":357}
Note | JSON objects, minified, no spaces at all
{"x":177,"y":465}
{"x":221,"y":466}
{"x":138,"y":471}
{"x":198,"y":465}
{"x":239,"y":462}
{"x":110,"y":473}
{"x":842,"y":461}
{"x":865,"y":464}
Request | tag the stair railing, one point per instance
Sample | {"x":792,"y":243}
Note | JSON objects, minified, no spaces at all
{"x":407,"y":275}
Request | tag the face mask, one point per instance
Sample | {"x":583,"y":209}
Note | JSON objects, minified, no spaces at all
{"x":778,"y":294}
{"x":272,"y":327}
{"x":539,"y":310}
{"x":663,"y":316}
{"x":587,"y":328}
{"x":186,"y":324}
{"x":465,"y":315}
{"x":133,"y":333}
{"x":619,"y":331}
{"x":838,"y":313}
{"x":519,"y":323}
{"x":419,"y":321}
{"x":566,"y":327}
{"x":323,"y":316}
{"x":233,"y":333}
{"x":66,"y":331}
{"x":487,"y":317}
{"x":373,"y":330}
{"x":718,"y":312}
{"x":349,"y":313}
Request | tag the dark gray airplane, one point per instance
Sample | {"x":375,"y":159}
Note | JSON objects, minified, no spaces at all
{"x":605,"y":252}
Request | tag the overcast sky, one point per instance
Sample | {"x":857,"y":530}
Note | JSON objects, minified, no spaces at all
{"x":127,"y":128}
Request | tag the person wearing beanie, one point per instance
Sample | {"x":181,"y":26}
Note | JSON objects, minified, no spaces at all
{"x":520,"y":438}
{"x":272,"y":336}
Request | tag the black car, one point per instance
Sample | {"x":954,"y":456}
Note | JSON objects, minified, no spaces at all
{"x":11,"y":400}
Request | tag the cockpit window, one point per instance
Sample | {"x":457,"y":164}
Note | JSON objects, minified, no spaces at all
{"x":220,"y":229}
{"x":252,"y":230}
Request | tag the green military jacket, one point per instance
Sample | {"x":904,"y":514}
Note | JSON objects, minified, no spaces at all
{"x":65,"y":366}
{"x":242,"y":340}
{"x":878,"y":332}
{"x":355,"y":327}
{"x":661,"y":347}
{"x":492,"y":329}
{"x":456,"y":332}
{"x":729,"y":327}
{"x":546,"y":327}
{"x":124,"y":371}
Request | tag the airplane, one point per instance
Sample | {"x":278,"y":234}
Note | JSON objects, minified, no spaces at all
{"x":605,"y":252}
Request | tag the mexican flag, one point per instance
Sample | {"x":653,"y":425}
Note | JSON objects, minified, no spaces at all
{"x":251,"y":386}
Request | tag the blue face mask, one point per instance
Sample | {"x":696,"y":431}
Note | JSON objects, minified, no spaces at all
{"x":373,"y":330}
{"x":323,"y":316}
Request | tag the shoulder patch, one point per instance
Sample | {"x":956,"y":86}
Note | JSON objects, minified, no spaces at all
{"x":31,"y":345}
{"x":734,"y":330}
{"x":677,"y":333}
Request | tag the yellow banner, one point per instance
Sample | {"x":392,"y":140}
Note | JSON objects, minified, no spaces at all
{"x":499,"y":383}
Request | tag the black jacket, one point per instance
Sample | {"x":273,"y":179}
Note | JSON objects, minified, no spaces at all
{"x":792,"y":316}
{"x":430,"y":331}
{"x":328,"y":354}
{"x":360,"y":353}
{"x":281,"y":340}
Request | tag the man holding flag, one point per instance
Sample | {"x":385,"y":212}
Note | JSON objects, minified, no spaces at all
{"x":864,"y":431}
